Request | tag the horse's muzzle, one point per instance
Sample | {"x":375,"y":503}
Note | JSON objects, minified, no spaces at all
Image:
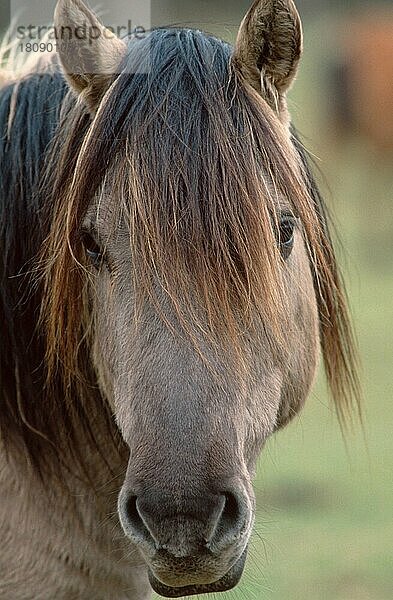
{"x":229,"y":581}
{"x":193,"y":545}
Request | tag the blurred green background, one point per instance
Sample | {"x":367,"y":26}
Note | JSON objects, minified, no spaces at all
{"x":325,"y":520}
{"x":324,"y":527}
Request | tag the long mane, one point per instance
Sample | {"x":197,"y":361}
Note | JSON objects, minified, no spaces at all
{"x":156,"y":132}
{"x":34,"y":416}
{"x":29,"y":112}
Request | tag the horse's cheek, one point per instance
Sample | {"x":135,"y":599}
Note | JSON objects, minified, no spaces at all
{"x":304,"y":358}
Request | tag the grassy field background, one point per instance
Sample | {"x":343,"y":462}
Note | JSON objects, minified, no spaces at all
{"x":325,"y":508}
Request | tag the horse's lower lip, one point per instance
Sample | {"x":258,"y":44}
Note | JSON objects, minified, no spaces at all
{"x":229,"y":581}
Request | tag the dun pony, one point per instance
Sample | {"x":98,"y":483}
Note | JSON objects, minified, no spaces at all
{"x":167,"y":275}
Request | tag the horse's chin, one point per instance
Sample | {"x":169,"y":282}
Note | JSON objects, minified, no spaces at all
{"x":229,"y":581}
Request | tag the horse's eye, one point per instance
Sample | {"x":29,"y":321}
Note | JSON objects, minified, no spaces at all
{"x":92,"y":249}
{"x":286,"y":235}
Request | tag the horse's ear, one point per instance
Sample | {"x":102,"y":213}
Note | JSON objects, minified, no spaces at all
{"x":90,"y":54}
{"x":268,"y":49}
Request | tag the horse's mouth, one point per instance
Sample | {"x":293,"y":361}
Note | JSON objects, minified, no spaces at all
{"x":229,"y":581}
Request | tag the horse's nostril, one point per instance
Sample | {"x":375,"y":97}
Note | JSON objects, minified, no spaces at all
{"x":232,"y":510}
{"x":232,"y":521}
{"x":132,"y":521}
{"x":207,"y":522}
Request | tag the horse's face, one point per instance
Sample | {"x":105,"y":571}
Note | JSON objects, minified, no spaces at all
{"x":194,"y":418}
{"x":194,"y":427}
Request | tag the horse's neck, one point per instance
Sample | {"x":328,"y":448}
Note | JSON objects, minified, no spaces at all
{"x":65,"y":535}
